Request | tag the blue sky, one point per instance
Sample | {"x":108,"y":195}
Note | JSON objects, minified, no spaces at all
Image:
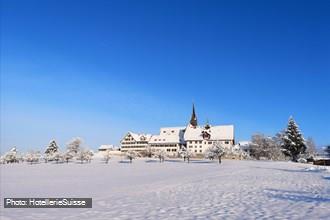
{"x":97,"y":69}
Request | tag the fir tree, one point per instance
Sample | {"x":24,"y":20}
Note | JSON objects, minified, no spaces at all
{"x":52,"y":147}
{"x":293,"y":141}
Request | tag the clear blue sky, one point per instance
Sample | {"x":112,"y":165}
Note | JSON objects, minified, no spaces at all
{"x":97,"y":69}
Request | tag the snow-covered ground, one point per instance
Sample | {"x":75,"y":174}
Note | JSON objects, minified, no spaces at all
{"x":147,"y":189}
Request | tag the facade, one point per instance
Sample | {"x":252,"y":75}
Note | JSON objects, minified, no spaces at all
{"x":199,"y":138}
{"x":106,"y":147}
{"x":134,"y":142}
{"x":169,"y":139}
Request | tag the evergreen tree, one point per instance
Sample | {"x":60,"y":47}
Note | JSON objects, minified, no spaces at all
{"x":293,"y":141}
{"x":52,"y":147}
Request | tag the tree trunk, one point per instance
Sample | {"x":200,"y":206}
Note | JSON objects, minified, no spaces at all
{"x":219,"y":159}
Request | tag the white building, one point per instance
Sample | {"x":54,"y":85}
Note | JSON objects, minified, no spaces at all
{"x":106,"y":147}
{"x":199,"y":138}
{"x":169,"y":139}
{"x":134,"y":142}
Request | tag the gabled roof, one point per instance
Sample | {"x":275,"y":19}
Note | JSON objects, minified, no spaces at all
{"x":106,"y":146}
{"x":138,"y":137}
{"x":168,"y":135}
{"x":221,"y":132}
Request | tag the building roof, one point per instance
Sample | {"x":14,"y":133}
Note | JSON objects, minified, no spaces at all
{"x":220,"y":132}
{"x":168,"y":135}
{"x":139,"y":137}
{"x":106,"y":146}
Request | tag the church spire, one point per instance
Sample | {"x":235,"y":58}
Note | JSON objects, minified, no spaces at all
{"x":193,"y":120}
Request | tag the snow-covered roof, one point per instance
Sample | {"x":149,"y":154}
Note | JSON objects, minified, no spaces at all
{"x":244,"y":143}
{"x":106,"y":146}
{"x":168,"y":135}
{"x":220,"y":132}
{"x":139,"y":137}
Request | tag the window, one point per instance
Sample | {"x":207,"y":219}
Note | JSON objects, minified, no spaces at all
{"x":200,"y":142}
{"x":200,"y":146}
{"x":195,"y":151}
{"x":195,"y":146}
{"x":226,"y":142}
{"x":190,"y":142}
{"x":190,"y":146}
{"x":168,"y":150}
{"x":210,"y":142}
{"x":200,"y":151}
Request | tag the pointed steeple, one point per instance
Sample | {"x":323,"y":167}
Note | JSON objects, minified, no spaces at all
{"x":207,"y":125}
{"x":193,"y":120}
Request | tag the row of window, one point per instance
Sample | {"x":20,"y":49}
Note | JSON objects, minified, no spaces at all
{"x":195,"y":146}
{"x":134,"y":142}
{"x":135,"y":146}
{"x":208,"y":142}
{"x":169,"y":150}
{"x":163,"y":145}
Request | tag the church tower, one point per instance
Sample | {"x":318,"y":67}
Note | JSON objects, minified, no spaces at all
{"x":193,"y":120}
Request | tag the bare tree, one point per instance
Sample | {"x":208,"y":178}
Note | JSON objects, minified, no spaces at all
{"x":186,"y":154}
{"x":67,"y":156}
{"x":215,"y":151}
{"x":310,"y":148}
{"x":74,"y":145}
{"x":84,"y":156}
{"x":131,"y":155}
{"x":107,"y":156}
{"x":160,"y":154}
{"x":33,"y":157}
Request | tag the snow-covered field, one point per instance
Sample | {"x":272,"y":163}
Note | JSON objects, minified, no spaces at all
{"x":147,"y":189}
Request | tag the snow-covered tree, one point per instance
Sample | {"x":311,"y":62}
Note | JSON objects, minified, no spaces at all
{"x":84,"y":155}
{"x":32,"y":157}
{"x":310,"y":149}
{"x":266,"y":147}
{"x":149,"y":151}
{"x":81,"y":155}
{"x":74,"y":145}
{"x":215,"y":151}
{"x":131,"y":155}
{"x":2,"y":160}
{"x":51,"y":148}
{"x":89,"y":156}
{"x":107,"y":156}
{"x":293,"y":141}
{"x":68,"y":155}
{"x":58,"y":157}
{"x":186,"y":154}
{"x":11,"y":156}
{"x":160,"y":154}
